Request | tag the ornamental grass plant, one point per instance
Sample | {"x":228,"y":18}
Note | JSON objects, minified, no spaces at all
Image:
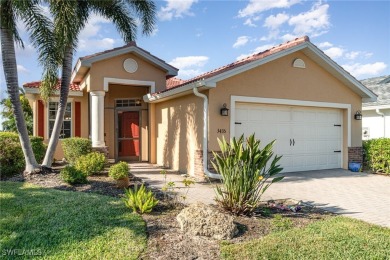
{"x":245,"y":168}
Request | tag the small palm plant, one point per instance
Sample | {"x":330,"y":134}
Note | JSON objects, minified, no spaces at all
{"x":245,"y":168}
{"x":140,"y":200}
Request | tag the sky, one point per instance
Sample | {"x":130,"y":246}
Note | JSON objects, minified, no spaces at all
{"x":197,"y":36}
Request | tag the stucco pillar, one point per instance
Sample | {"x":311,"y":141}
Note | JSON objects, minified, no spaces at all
{"x":97,"y":118}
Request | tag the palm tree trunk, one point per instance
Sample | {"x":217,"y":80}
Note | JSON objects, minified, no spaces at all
{"x":11,"y":78}
{"x":65,"y":81}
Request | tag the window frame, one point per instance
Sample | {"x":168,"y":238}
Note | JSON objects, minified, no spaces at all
{"x":53,"y":120}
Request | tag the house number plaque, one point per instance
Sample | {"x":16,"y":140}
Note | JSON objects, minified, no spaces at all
{"x":221,"y":131}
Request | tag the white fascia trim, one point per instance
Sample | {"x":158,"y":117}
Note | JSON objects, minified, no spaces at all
{"x":55,"y":92}
{"x":291,"y":102}
{"x":170,"y":70}
{"x":376,"y":107}
{"x":150,"y":84}
{"x":371,"y":97}
{"x":75,"y":70}
{"x":177,"y":92}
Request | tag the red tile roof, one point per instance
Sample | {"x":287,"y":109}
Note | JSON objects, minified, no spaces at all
{"x":37,"y":84}
{"x":239,"y":63}
{"x":172,"y":82}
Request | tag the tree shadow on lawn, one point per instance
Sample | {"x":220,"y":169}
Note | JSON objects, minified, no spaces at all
{"x":59,"y":223}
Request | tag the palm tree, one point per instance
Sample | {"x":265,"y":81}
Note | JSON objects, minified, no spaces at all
{"x":70,"y":18}
{"x":39,"y":27}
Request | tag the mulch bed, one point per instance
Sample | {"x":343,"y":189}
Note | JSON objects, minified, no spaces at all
{"x":165,"y":240}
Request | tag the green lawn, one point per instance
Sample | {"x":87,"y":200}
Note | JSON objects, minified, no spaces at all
{"x":334,"y":238}
{"x":53,"y":224}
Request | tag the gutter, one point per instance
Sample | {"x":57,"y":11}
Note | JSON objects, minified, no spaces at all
{"x":384,"y":120}
{"x":205,"y":135}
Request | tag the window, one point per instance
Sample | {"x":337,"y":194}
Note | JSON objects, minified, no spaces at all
{"x":128,"y":103}
{"x":66,"y":129}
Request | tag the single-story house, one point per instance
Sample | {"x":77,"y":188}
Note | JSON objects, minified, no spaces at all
{"x":129,"y":103}
{"x":376,"y":114}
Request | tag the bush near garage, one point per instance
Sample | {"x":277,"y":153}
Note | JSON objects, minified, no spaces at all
{"x":91,"y":163}
{"x":75,"y":147}
{"x":377,"y":154}
{"x":245,"y":167}
{"x":11,"y":154}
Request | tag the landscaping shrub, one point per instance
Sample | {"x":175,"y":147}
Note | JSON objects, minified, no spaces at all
{"x":377,"y":153}
{"x":11,"y":154}
{"x":91,"y":163}
{"x":75,"y":147}
{"x":140,"y":200}
{"x":119,"y":170}
{"x":72,"y":175}
{"x":244,"y":171}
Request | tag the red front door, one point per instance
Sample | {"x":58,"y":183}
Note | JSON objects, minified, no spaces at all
{"x":128,"y":135}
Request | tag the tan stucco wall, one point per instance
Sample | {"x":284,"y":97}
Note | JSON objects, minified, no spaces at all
{"x":179,"y":131}
{"x":278,"y":79}
{"x":123,"y":92}
{"x":113,"y":68}
{"x":33,"y":99}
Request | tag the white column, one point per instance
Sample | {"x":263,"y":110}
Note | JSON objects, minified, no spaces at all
{"x":97,"y":118}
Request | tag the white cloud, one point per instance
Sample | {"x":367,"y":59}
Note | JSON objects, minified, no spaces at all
{"x":272,"y":35}
{"x":92,"y":45}
{"x":314,"y":22}
{"x":189,"y":61}
{"x":249,"y":21}
{"x":175,"y":9}
{"x":334,"y":52}
{"x":241,"y":41}
{"x":325,"y":45}
{"x":22,"y":69}
{"x":355,"y":54}
{"x":370,"y":69}
{"x":255,"y":6}
{"x":189,"y":73}
{"x":189,"y":66}
{"x":289,"y":37}
{"x":257,"y":50}
{"x":274,"y":21}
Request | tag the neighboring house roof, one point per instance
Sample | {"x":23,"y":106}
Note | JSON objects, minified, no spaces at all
{"x":84,"y":63}
{"x":209,"y":79}
{"x":33,"y":88}
{"x":381,"y":87}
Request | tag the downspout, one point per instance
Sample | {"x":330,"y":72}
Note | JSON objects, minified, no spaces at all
{"x":384,"y":121}
{"x":205,"y":135}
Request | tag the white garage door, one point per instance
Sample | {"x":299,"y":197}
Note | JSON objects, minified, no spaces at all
{"x":308,"y":138}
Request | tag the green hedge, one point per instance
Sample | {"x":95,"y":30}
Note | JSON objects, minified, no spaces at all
{"x":377,"y":154}
{"x":76,"y":147}
{"x":11,"y":154}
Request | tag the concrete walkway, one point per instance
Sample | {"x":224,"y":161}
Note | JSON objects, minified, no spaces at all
{"x":358,"y":195}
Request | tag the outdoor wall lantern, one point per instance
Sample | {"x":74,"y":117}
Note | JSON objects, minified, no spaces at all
{"x":224,"y":110}
{"x":358,"y":115}
{"x":138,"y":102}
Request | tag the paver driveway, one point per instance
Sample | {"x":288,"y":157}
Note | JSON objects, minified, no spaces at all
{"x":358,"y":195}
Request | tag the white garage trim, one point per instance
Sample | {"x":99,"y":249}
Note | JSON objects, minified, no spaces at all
{"x":291,"y":102}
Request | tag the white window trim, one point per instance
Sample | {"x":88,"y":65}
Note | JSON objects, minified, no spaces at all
{"x":150,"y":84}
{"x":291,"y":102}
{"x":70,"y":100}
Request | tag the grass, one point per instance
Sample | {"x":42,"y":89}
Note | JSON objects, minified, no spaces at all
{"x":333,"y":238}
{"x":51,"y":224}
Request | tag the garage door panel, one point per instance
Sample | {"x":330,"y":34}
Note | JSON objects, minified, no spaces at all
{"x":312,"y":133}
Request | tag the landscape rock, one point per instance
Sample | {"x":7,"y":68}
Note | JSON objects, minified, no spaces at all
{"x":201,"y":220}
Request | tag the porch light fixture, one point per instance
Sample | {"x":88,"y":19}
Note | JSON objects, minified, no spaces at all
{"x":224,"y":110}
{"x":358,"y":115}
{"x":138,"y":102}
